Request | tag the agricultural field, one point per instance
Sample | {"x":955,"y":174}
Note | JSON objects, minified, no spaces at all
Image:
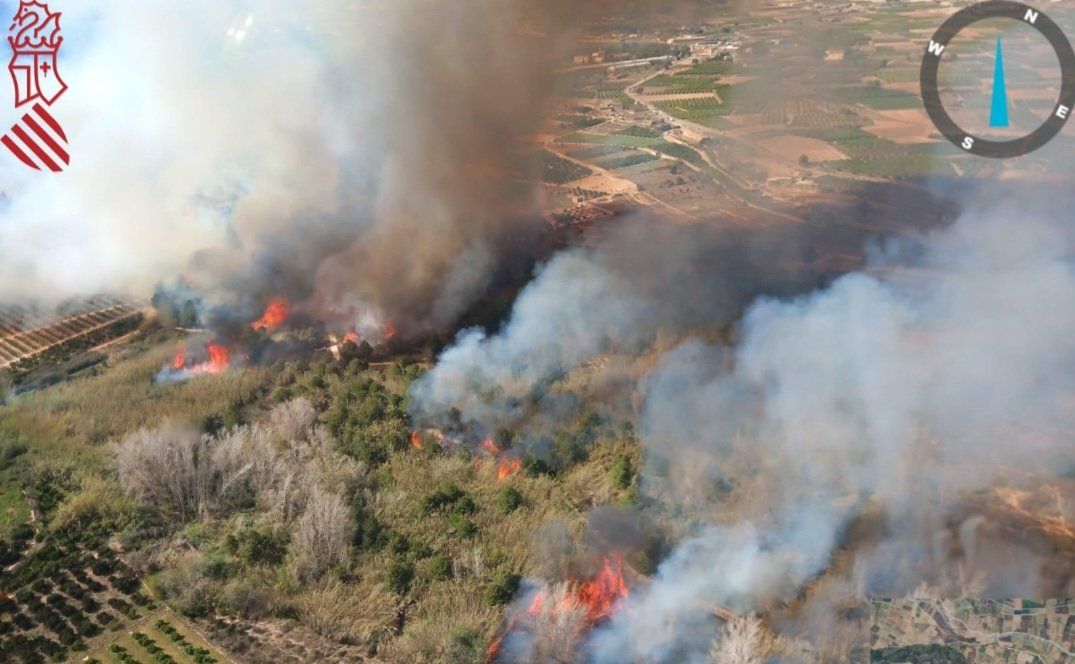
{"x":626,"y":160}
{"x":641,"y":132}
{"x":901,"y":75}
{"x":609,"y":139}
{"x":557,"y":170}
{"x":160,"y":638}
{"x":871,"y":155}
{"x":804,"y":112}
{"x":876,"y":97}
{"x":704,"y":111}
{"x":65,"y":593}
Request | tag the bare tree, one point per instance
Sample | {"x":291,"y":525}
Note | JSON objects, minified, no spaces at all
{"x":292,"y":420}
{"x":184,"y":474}
{"x":559,"y":622}
{"x":322,"y":536}
{"x":743,"y":641}
{"x":168,"y":468}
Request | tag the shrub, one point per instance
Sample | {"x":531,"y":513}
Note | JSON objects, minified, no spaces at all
{"x":462,"y":526}
{"x":509,"y":499}
{"x":440,"y":568}
{"x":502,"y":588}
{"x":369,"y":532}
{"x":254,"y":546}
{"x":442,"y":498}
{"x":400,"y":575}
{"x":621,"y":472}
{"x":464,"y":505}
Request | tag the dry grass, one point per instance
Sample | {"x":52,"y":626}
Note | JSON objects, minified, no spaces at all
{"x":74,"y":417}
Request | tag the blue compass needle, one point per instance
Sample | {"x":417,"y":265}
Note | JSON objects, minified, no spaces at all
{"x":998,"y":112}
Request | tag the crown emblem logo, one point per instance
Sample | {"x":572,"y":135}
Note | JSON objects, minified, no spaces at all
{"x":35,"y":43}
{"x":37,"y":139}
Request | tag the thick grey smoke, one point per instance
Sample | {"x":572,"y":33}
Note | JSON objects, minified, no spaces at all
{"x":647,"y":282}
{"x":906,"y":393}
{"x":362,"y":158}
{"x":899,"y":390}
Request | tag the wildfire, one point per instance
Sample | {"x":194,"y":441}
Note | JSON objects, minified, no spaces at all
{"x":218,"y":361}
{"x":180,"y":359}
{"x":351,"y":337}
{"x":416,"y":441}
{"x":389,"y":331}
{"x":219,"y":357}
{"x":587,"y":602}
{"x":507,"y":467}
{"x":601,"y":594}
{"x":597,"y":597}
{"x":1047,"y":510}
{"x":276,"y":313}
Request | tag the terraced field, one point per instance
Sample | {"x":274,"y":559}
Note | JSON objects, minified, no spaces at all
{"x":26,"y":333}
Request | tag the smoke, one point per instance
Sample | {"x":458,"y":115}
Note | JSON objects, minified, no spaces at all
{"x":649,"y":281}
{"x":894,"y":394}
{"x":366,"y":159}
{"x":907,"y":393}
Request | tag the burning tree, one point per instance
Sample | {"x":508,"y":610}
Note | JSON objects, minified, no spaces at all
{"x":551,"y":624}
{"x":276,"y":313}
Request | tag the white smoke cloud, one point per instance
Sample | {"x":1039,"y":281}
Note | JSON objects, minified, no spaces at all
{"x":906,"y":392}
{"x":358,"y":156}
{"x":900,"y":389}
{"x":182,"y":139}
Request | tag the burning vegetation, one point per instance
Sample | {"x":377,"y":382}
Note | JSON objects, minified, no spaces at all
{"x":558,"y":616}
{"x":276,"y":313}
{"x":216,"y":360}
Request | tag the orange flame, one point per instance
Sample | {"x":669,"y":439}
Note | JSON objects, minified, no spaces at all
{"x":352,"y":337}
{"x":495,"y":648}
{"x":218,"y":362}
{"x":180,"y":359}
{"x":389,"y":331}
{"x":219,"y":358}
{"x":599,"y":597}
{"x":416,"y":441}
{"x":507,"y":467}
{"x":593,"y":601}
{"x":275,"y":315}
{"x":601,"y":594}
{"x":490,"y":446}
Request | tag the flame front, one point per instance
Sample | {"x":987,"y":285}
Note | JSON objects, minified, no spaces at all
{"x":217,"y":363}
{"x":598,"y":596}
{"x":601,"y":594}
{"x":581,"y":603}
{"x":416,"y":441}
{"x":219,"y":358}
{"x":1046,"y":509}
{"x":275,"y":315}
{"x":180,"y":359}
{"x":507,"y":467}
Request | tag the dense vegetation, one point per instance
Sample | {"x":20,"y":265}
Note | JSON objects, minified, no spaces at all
{"x":289,"y":493}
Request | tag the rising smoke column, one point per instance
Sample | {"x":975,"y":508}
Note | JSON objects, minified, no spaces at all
{"x":904,"y":392}
{"x":648,"y":280}
{"x":360,"y":159}
{"x":900,"y":389}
